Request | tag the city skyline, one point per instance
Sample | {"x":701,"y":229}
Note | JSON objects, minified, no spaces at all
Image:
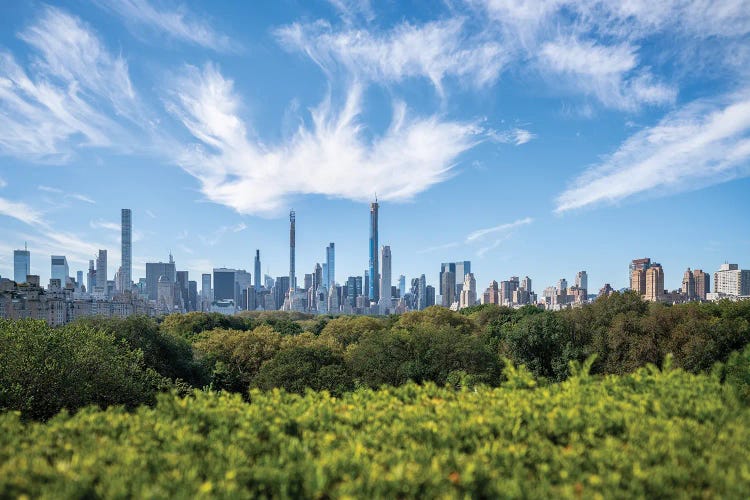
{"x":492,"y":143}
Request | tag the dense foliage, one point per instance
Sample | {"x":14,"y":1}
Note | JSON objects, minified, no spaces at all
{"x":296,"y":351}
{"x":649,"y":434}
{"x":43,"y":370}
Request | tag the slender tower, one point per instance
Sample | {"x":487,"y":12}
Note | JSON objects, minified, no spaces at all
{"x":374,"y":292}
{"x":257,"y":271}
{"x":127,"y":250}
{"x":292,"y":280}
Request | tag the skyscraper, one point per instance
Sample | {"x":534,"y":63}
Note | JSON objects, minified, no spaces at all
{"x":401,"y":285}
{"x":206,"y":287}
{"x":468,"y":292}
{"x":257,"y":271}
{"x":126,"y":271}
{"x":448,"y":285}
{"x":292,"y":279}
{"x":422,"y":299}
{"x":59,"y":269}
{"x":702,"y":283}
{"x":731,"y":280}
{"x":79,"y":280}
{"x":155,"y":270}
{"x":331,"y":262}
{"x":224,"y":284}
{"x":385,"y":278}
{"x":181,"y":289}
{"x":91,"y":278}
{"x":459,"y":270}
{"x":101,"y":271}
{"x":317,"y":277}
{"x":582,"y":280}
{"x":21,"y":265}
{"x":688,"y":285}
{"x":638,"y":269}
{"x":374,"y":275}
{"x":654,"y":283}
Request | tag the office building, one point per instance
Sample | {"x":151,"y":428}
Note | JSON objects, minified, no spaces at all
{"x":181,"y":290}
{"x":308,"y":281}
{"x":448,"y":286}
{"x":21,"y":265}
{"x":374,"y":276}
{"x":59,"y":269}
{"x":280,"y":291}
{"x":459,"y":270}
{"x":401,"y":285}
{"x":155,"y":270}
{"x":206,"y":295}
{"x":430,"y":295}
{"x":79,"y":280}
{"x":126,"y":271}
{"x":224,"y":284}
{"x":192,"y":296}
{"x":243,"y":281}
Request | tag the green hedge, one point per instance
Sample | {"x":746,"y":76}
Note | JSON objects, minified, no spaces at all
{"x":647,"y":434}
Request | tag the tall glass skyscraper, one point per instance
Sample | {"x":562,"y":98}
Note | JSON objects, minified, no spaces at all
{"x":257,"y":271}
{"x":385,"y":279}
{"x":101,"y":271}
{"x":126,"y":271}
{"x":59,"y":269}
{"x":292,"y":279}
{"x":21,"y":265}
{"x":374,"y":275}
{"x":331,"y":263}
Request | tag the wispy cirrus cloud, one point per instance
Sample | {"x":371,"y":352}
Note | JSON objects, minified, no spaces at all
{"x":435,"y":50}
{"x":74,"y":196}
{"x":76,"y":95}
{"x":21,"y":211}
{"x":501,"y":232}
{"x":481,"y":233}
{"x":702,"y":143}
{"x":177,"y":22}
{"x":607,"y":72}
{"x":331,"y":157}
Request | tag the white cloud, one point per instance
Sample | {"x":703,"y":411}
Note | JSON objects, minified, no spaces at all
{"x":75,"y":196}
{"x":483,"y":250}
{"x":703,"y":143}
{"x":517,"y":136}
{"x":82,"y":197}
{"x":76,"y":96}
{"x":481,"y":233}
{"x":434,"y":50}
{"x":331,"y":157}
{"x":605,"y":72}
{"x":351,"y":10}
{"x":103,"y":224}
{"x":178,"y":23}
{"x":21,"y":211}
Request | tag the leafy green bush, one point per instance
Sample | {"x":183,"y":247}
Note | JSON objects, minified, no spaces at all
{"x":45,"y":369}
{"x":650,"y":434}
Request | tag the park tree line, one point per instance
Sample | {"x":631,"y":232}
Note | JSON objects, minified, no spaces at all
{"x":128,"y":361}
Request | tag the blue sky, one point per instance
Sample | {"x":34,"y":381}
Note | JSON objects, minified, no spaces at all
{"x":532,"y":138}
